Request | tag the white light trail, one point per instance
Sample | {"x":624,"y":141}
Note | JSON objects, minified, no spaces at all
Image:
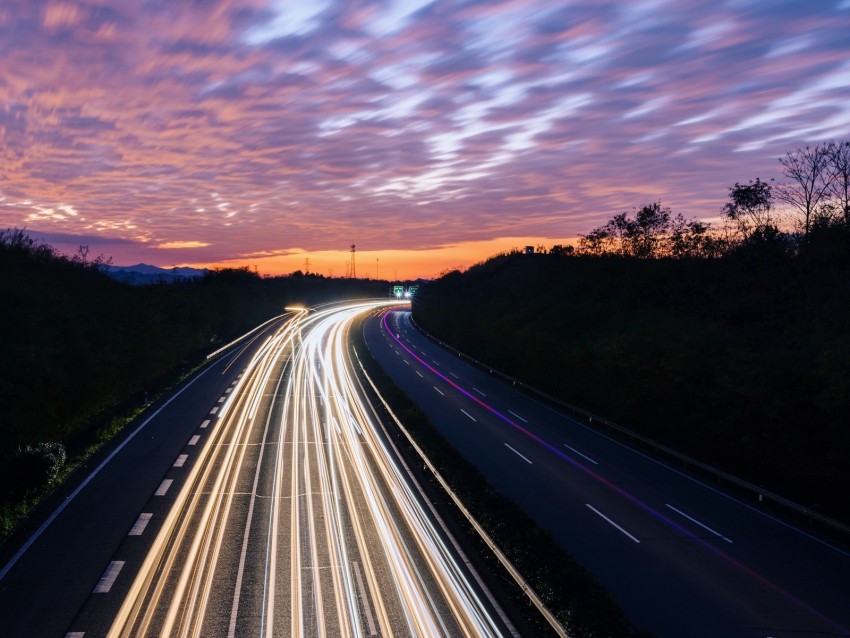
{"x":364,"y":556}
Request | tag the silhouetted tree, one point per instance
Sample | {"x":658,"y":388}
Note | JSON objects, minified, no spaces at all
{"x":597,"y":241}
{"x":750,"y":207}
{"x":561,"y":250}
{"x":644,"y":235}
{"x":808,"y":181}
{"x":639,"y":237}
{"x":692,"y":238}
{"x":650,"y":234}
{"x":838,"y":159}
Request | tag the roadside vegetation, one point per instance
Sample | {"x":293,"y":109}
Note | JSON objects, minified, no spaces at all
{"x":729,"y":344}
{"x":81,"y":354}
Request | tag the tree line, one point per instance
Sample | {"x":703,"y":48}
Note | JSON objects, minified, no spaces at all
{"x":79,"y":350}
{"x":728,"y":344}
{"x":815,"y":193}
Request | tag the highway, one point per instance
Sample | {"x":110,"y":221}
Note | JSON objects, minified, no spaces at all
{"x":285,"y":512}
{"x":681,"y":557}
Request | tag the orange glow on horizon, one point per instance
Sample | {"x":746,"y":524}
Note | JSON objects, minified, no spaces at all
{"x":386,"y":264}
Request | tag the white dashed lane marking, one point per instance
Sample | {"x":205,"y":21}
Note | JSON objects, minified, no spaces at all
{"x":598,"y":513}
{"x":695,"y":521}
{"x":108,"y":579}
{"x":517,"y":416}
{"x":163,"y":487}
{"x":518,"y":454}
{"x":140,"y":524}
{"x":584,"y":456}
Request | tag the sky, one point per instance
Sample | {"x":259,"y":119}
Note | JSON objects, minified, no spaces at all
{"x":429,"y":134}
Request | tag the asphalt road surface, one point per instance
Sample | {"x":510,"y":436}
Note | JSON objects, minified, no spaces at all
{"x":682,"y":558}
{"x":276,"y":509}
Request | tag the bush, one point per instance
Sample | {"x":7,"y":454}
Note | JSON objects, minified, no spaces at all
{"x":39,"y":464}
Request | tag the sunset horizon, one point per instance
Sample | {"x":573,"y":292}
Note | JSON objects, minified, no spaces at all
{"x":430,"y":135}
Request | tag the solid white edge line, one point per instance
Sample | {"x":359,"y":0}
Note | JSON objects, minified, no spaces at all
{"x":584,"y":456}
{"x":518,"y":454}
{"x":469,"y":415}
{"x":693,"y":520}
{"x":108,"y":579}
{"x":140,"y":524}
{"x":598,"y":513}
{"x":88,"y":479}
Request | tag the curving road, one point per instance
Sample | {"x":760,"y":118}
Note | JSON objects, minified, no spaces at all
{"x":287,"y":513}
{"x":683,"y":558}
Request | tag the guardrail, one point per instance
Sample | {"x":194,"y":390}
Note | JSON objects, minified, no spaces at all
{"x":761,"y":494}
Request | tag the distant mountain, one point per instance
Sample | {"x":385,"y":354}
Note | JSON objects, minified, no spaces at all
{"x":140,"y":274}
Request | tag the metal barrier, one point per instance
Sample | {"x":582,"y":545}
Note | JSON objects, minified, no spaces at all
{"x":762,"y":494}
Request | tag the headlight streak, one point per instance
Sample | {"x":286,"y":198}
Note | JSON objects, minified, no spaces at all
{"x":146,"y":593}
{"x":337,"y":494}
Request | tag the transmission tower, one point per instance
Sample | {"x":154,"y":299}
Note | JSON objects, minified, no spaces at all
{"x":353,"y":270}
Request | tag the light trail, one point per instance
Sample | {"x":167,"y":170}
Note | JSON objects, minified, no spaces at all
{"x":339,"y":544}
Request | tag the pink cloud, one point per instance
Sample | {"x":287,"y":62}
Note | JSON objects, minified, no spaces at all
{"x":162,"y":121}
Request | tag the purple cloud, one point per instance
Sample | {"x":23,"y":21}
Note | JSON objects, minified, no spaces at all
{"x":286,"y":126}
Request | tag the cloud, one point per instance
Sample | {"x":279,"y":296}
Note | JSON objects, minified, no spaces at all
{"x":409,"y":125}
{"x":181,"y":244}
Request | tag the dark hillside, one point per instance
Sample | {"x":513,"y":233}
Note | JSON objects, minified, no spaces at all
{"x":79,"y":349}
{"x":741,"y":362}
